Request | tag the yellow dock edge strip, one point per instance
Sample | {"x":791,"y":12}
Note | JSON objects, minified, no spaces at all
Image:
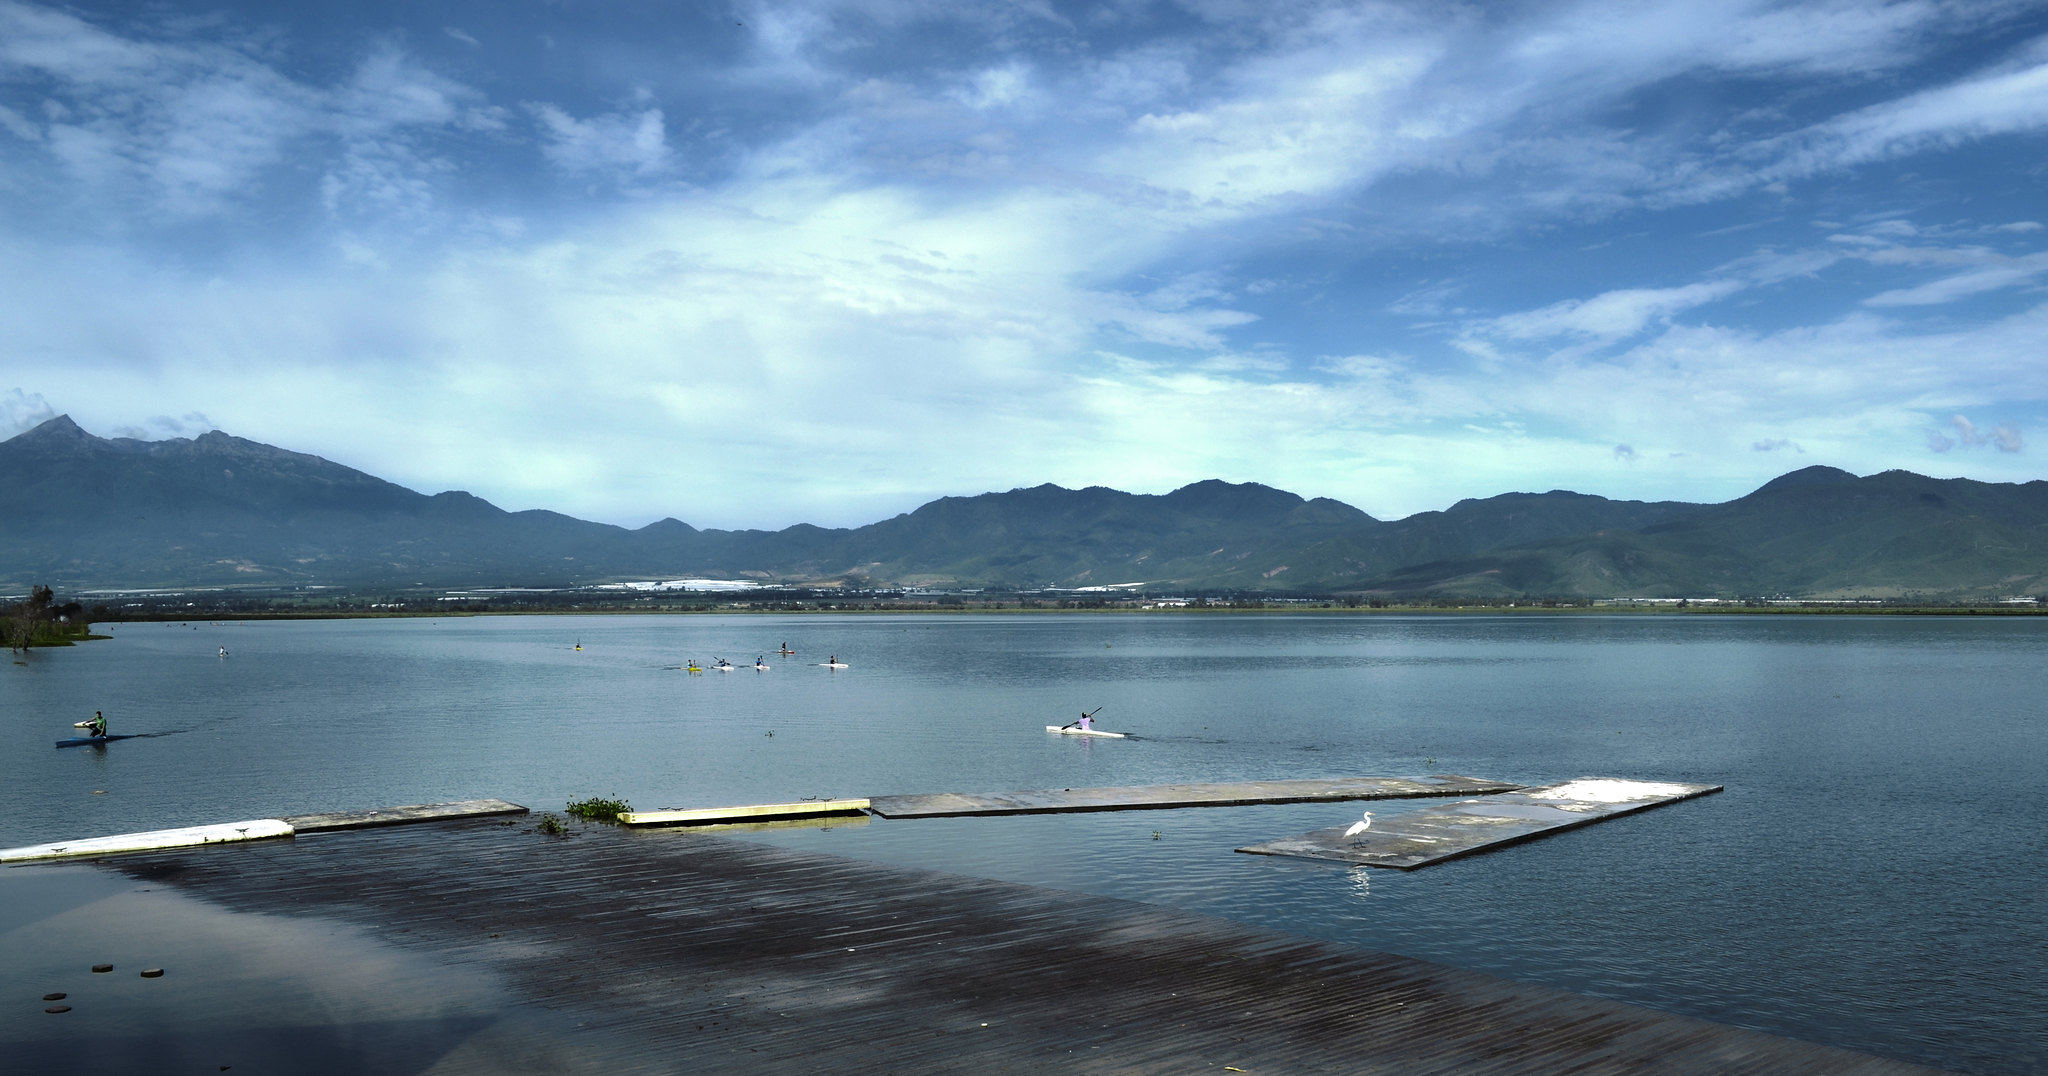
{"x":754,"y":812}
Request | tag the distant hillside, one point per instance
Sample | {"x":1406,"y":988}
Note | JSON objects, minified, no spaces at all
{"x":86,"y":512}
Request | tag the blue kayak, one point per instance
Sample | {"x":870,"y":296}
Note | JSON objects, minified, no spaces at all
{"x":82,"y":741}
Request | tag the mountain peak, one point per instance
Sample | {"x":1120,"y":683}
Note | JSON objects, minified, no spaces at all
{"x":1816,"y":475}
{"x":1216,"y":499}
{"x":55,"y":431}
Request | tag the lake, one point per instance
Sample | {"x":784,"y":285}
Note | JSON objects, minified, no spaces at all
{"x":1871,"y":878}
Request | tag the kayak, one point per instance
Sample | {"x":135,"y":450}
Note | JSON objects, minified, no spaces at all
{"x":1086,"y":732}
{"x":833,"y":665}
{"x":84,"y":740}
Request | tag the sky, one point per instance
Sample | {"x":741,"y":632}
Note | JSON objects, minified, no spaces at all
{"x":757,"y":263}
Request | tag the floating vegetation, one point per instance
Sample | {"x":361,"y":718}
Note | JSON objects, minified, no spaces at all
{"x":551,"y":824}
{"x":598,"y":810}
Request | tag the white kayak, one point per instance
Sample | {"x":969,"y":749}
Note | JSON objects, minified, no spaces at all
{"x":833,"y":665}
{"x":1085,"y":732}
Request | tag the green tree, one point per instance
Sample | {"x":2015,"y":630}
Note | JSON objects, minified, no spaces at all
{"x":40,"y":621}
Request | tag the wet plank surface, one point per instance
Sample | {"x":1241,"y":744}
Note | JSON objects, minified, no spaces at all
{"x":1197,"y":794}
{"x":393,"y":816}
{"x":678,"y":951}
{"x":756,"y":812}
{"x":1434,"y":834}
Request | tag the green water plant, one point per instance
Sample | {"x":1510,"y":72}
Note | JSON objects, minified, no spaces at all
{"x":551,"y":825}
{"x":598,"y":810}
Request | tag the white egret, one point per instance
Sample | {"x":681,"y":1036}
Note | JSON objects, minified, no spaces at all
{"x":1360,"y":826}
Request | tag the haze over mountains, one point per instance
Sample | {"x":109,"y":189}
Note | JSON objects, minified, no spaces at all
{"x":83,"y":512}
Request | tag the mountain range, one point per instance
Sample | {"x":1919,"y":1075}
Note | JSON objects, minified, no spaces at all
{"x":83,"y":512}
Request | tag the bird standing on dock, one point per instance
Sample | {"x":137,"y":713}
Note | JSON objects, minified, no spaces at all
{"x":1360,"y":826}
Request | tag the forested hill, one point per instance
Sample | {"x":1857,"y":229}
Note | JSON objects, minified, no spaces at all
{"x":87,"y":512}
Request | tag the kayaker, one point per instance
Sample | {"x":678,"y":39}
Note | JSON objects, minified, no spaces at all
{"x":99,"y":724}
{"x":1087,"y":722}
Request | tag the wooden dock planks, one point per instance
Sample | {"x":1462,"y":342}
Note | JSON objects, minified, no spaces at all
{"x":1416,"y":839}
{"x":393,"y":816}
{"x":1198,"y":794}
{"x":672,"y":950}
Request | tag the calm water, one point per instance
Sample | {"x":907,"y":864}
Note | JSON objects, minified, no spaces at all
{"x":1871,"y":878}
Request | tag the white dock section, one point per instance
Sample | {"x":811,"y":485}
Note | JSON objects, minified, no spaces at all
{"x":153,"y":840}
{"x":1434,"y":834}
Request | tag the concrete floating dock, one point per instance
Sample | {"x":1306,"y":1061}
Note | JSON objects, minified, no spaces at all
{"x":675,"y":950}
{"x":184,"y":837}
{"x":394,"y":816}
{"x":759,"y":812}
{"x":1162,"y":797}
{"x":1434,"y":834}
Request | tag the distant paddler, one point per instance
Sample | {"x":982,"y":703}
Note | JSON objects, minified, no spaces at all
{"x":759,"y":664}
{"x":98,"y":725}
{"x":1086,"y":723}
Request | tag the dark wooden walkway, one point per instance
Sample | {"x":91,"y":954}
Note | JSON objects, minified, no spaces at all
{"x":1187,"y":794}
{"x":399,"y":816}
{"x":675,"y":951}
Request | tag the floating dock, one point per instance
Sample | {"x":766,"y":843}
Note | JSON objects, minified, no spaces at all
{"x":759,"y":812}
{"x":395,"y":816}
{"x":1163,"y":797}
{"x":1434,"y":834}
{"x":676,"y":950}
{"x":255,"y":829}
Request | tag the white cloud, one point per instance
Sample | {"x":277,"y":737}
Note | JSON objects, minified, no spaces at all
{"x":1984,"y":106}
{"x":617,"y":143}
{"x":2003,"y":273}
{"x":22,"y":411}
{"x":1611,"y":316}
{"x":2005,"y":437}
{"x":160,"y":427}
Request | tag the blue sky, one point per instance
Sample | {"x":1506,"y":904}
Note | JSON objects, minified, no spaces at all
{"x":751,"y":264}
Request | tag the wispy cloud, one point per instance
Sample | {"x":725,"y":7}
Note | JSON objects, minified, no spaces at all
{"x":626,"y":143}
{"x":1983,"y":106}
{"x":2004,"y":437}
{"x":20,"y":411}
{"x":1611,"y":316}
